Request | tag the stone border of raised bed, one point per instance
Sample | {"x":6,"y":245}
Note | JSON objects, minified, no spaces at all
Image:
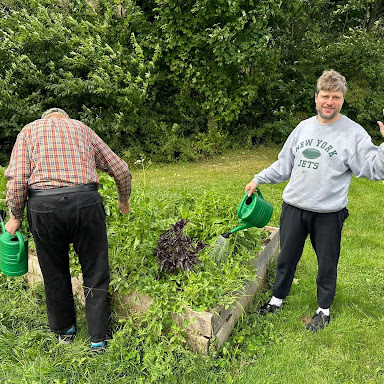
{"x":34,"y":276}
{"x":204,"y":327}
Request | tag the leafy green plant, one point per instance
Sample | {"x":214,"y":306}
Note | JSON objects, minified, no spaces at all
{"x":133,"y":240}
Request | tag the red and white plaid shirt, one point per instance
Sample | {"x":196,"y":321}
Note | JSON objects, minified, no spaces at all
{"x":57,"y":152}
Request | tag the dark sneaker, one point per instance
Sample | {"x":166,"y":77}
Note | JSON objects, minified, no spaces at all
{"x":68,"y":336}
{"x":268,"y":308}
{"x":318,"y":321}
{"x":99,"y":348}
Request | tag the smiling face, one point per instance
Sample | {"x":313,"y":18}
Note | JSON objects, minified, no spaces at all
{"x":328,"y":106}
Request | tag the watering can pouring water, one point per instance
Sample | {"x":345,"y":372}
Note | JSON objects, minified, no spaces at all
{"x":253,"y":211}
{"x":13,"y":251}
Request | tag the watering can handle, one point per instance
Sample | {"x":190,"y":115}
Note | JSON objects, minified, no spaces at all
{"x":21,"y":246}
{"x":259,"y":193}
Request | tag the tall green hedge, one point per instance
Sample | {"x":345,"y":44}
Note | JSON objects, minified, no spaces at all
{"x":173,"y":79}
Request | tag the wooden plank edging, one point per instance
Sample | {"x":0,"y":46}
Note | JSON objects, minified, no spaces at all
{"x":224,"y":320}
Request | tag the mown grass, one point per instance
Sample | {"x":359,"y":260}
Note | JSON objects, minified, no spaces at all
{"x":274,"y":349}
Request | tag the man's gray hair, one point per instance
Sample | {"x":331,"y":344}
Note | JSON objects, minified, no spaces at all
{"x":331,"y":81}
{"x":54,"y":110}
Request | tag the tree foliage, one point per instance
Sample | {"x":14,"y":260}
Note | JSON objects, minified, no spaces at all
{"x":183,"y":79}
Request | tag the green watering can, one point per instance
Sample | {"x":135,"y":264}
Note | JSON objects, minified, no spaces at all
{"x":13,"y":251}
{"x":253,"y":211}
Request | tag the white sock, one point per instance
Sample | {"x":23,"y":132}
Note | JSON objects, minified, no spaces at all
{"x":276,"y":301}
{"x":325,"y":311}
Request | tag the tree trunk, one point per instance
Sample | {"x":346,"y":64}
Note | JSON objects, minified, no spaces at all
{"x":373,"y":14}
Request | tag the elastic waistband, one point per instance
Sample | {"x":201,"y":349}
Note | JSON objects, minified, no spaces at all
{"x":63,"y":190}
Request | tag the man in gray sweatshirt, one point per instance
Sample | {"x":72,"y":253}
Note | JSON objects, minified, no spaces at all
{"x":319,"y":157}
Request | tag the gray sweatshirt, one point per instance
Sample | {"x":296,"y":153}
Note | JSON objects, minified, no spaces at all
{"x":320,"y":160}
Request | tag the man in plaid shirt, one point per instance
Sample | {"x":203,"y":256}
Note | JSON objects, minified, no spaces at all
{"x":53,"y":171}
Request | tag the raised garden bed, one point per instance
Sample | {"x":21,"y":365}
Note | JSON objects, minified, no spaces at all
{"x":203,"y":327}
{"x":216,"y":323}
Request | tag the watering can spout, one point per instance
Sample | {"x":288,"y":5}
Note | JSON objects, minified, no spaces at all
{"x":239,"y":228}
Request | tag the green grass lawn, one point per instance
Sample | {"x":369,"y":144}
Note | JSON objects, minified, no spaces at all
{"x":273,"y":349}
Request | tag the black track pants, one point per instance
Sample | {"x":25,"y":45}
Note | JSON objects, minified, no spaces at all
{"x":325,"y":234}
{"x":55,"y":222}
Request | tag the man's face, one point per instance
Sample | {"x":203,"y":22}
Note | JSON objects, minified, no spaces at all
{"x":328,"y":106}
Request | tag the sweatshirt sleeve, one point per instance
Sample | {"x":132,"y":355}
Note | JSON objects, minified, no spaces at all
{"x":368,"y":160}
{"x":281,"y":169}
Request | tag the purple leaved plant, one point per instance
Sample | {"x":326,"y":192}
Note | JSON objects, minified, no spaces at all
{"x":177,"y":251}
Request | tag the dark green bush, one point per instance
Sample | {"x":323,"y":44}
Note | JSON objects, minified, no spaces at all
{"x":183,"y":80}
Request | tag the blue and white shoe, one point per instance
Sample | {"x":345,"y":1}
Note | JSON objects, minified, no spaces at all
{"x":68,"y":336}
{"x":99,"y":347}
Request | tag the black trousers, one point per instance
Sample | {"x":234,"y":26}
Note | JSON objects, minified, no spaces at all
{"x":56,"y":221}
{"x":325,"y":234}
